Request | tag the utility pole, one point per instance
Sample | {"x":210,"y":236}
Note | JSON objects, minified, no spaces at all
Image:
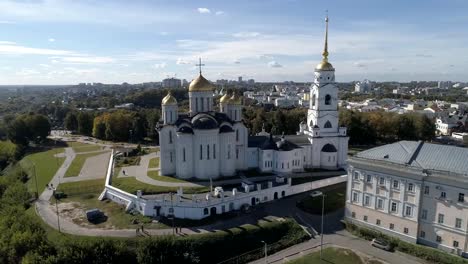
{"x":266,"y":251}
{"x":172,"y":215}
{"x":321,"y":235}
{"x":56,"y":208}
{"x":35,"y":180}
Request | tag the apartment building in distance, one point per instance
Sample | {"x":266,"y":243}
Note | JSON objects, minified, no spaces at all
{"x":412,"y":190}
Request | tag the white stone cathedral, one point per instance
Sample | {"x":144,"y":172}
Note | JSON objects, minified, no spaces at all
{"x":205,"y":144}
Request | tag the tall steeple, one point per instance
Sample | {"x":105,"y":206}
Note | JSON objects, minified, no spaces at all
{"x":324,"y":65}
{"x":325,"y":48}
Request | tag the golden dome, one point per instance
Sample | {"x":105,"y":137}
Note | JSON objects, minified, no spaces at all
{"x":169,"y":99}
{"x":200,"y":84}
{"x":224,"y":98}
{"x":324,"y":65}
{"x":235,"y":99}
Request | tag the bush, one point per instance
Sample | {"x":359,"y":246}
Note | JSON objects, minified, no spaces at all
{"x":427,"y":253}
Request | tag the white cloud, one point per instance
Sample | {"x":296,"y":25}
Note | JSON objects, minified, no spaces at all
{"x":181,"y":61}
{"x":11,"y":48}
{"x":27,"y":72}
{"x":85,"y":60}
{"x":43,"y":65}
{"x":246,"y":34}
{"x":360,"y":64}
{"x":219,"y":13}
{"x":274,"y":64}
{"x":7,"y":22}
{"x":51,"y":40}
{"x":160,"y":65}
{"x":236,"y":62}
{"x":89,"y":12}
{"x":203,"y":10}
{"x":7,"y":43}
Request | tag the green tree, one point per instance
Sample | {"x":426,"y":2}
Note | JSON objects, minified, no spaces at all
{"x":71,"y":121}
{"x":85,"y":123}
{"x":18,"y":132}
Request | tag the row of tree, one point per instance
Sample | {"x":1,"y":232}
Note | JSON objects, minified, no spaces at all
{"x":382,"y":127}
{"x":22,"y":129}
{"x":363,"y":128}
{"x":121,"y":125}
{"x":277,"y":122}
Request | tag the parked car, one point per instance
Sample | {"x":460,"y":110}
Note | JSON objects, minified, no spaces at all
{"x":382,"y":244}
{"x":94,"y":215}
{"x":316,"y":193}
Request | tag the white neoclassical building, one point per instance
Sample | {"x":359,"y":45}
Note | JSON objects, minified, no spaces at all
{"x":206,"y":144}
{"x":412,"y":190}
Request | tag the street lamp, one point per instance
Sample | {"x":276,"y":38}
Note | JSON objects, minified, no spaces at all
{"x":321,"y":235}
{"x":172,"y":214}
{"x":56,"y":208}
{"x":35,"y":176}
{"x":266,"y":251}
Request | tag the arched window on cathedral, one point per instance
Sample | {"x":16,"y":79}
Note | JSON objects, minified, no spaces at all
{"x":313,"y":100}
{"x":327,"y":99}
{"x":328,"y":124}
{"x":170,"y":137}
{"x":237,"y":134}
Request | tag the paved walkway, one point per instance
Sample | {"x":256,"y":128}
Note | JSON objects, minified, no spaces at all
{"x":343,"y":239}
{"x":94,"y":167}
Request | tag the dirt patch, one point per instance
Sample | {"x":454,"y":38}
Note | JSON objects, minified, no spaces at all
{"x":75,"y":213}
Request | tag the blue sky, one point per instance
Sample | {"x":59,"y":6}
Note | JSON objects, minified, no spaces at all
{"x":66,"y":41}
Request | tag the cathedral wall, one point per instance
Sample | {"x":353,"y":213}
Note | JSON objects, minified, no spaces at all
{"x":253,"y":158}
{"x":226,"y":160}
{"x":241,"y":142}
{"x":184,"y":168}
{"x":206,"y":165}
{"x":167,"y":147}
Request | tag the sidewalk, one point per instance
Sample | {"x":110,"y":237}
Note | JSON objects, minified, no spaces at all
{"x":341,"y":239}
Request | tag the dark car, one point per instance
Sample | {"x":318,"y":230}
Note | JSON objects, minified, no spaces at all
{"x":94,"y":215}
{"x":382,"y":244}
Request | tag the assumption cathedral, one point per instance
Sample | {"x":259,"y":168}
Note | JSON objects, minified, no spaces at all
{"x":206,"y":144}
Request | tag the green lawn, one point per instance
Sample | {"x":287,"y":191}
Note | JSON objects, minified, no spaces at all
{"x":87,"y":148}
{"x":332,"y":255}
{"x":154,"y":163}
{"x":77,"y":164}
{"x":334,"y":199}
{"x":155,"y":175}
{"x":131,"y":185}
{"x":46,"y":165}
{"x":82,"y":187}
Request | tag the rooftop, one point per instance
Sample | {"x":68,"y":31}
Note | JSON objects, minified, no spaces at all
{"x":419,"y":154}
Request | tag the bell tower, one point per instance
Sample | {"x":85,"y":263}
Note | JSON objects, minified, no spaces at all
{"x":323,"y":107}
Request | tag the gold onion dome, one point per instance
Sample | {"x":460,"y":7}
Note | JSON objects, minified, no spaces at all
{"x":200,"y":84}
{"x":235,"y":99}
{"x":324,"y":65}
{"x":224,"y":98}
{"x":169,"y":99}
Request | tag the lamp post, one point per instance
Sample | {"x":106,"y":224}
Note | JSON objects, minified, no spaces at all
{"x":321,"y":232}
{"x":266,"y":251}
{"x":35,"y":179}
{"x":172,"y":214}
{"x":56,"y":208}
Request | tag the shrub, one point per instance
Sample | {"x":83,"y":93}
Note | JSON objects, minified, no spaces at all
{"x":430,"y":254}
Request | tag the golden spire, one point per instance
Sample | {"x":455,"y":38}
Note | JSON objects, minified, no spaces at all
{"x":325,"y":48}
{"x":324,"y":65}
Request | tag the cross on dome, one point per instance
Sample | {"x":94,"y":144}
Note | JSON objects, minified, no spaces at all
{"x":199,"y":64}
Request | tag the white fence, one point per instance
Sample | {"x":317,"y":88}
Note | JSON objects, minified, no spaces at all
{"x":164,"y":205}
